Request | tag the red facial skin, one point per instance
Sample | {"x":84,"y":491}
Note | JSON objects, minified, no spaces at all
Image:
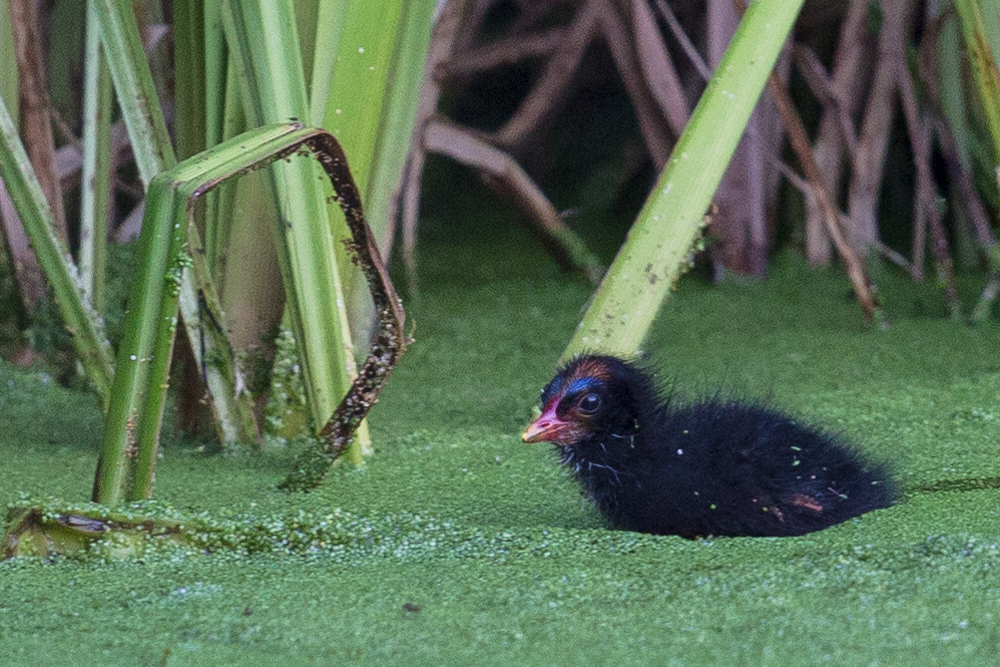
{"x":570,"y":428}
{"x":549,"y":427}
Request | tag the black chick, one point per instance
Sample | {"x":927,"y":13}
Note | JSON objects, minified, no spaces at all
{"x":716,"y":467}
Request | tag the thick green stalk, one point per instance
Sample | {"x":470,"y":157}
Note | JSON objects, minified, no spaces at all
{"x":89,"y":341}
{"x":660,"y":244}
{"x":216,"y":57}
{"x":154,"y":154}
{"x":984,"y":67}
{"x":306,"y":25}
{"x":355,"y":106}
{"x":263,"y":37}
{"x":226,"y":119}
{"x":189,"y":76}
{"x":330,"y":21}
{"x":8,"y":61}
{"x":397,"y":112}
{"x":400,"y":110}
{"x":369,"y":61}
{"x":159,"y":306}
{"x":136,"y":350}
{"x":95,"y":192}
{"x":393,"y":142}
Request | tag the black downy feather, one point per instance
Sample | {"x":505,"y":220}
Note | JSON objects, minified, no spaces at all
{"x":714,"y":467}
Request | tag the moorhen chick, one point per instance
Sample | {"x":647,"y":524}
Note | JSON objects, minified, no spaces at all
{"x":714,"y":467}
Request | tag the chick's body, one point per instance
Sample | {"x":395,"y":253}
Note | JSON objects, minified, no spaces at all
{"x":716,"y":467}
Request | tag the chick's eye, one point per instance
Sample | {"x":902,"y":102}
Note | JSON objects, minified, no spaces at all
{"x":589,"y":404}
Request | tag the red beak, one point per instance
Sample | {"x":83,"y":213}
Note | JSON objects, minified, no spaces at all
{"x":546,"y":428}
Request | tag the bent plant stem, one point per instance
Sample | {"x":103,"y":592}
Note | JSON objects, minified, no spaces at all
{"x":388,"y":342}
{"x":150,"y":142}
{"x":139,"y":393}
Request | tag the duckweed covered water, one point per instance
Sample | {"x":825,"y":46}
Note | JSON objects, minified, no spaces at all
{"x":458,"y":544}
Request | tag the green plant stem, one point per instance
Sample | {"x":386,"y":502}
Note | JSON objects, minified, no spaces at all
{"x":660,"y":243}
{"x":154,"y":155}
{"x":230,"y":121}
{"x":96,"y":174}
{"x":140,"y":385}
{"x":147,"y":129}
{"x":368,"y":66}
{"x":263,"y":37}
{"x":393,"y":141}
{"x":330,"y":21}
{"x":9,"y":82}
{"x":984,"y":67}
{"x":132,"y":378}
{"x":189,"y":75}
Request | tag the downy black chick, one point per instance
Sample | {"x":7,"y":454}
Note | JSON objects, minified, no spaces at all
{"x":715,"y":467}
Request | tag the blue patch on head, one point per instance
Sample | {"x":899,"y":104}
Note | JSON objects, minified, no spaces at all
{"x":583,"y":375}
{"x":558,"y":387}
{"x":581,"y":385}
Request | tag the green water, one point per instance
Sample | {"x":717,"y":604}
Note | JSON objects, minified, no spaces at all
{"x":458,"y":544}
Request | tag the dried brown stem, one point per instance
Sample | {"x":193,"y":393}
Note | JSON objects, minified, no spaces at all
{"x":836,"y":128}
{"x":741,"y":223}
{"x":502,"y":171}
{"x":470,"y":15}
{"x":658,"y":69}
{"x":704,"y":71}
{"x":968,"y":198}
{"x":920,"y":140}
{"x":825,"y":89}
{"x":686,"y":44}
{"x":894,"y":257}
{"x":869,"y":158}
{"x":36,"y":124}
{"x":27,"y":271}
{"x":553,"y":85}
{"x":532,"y":13}
{"x":960,"y":175}
{"x":863,"y":287}
{"x":389,"y":340}
{"x":651,"y":119}
{"x":406,"y":199}
{"x":797,"y":181}
{"x":502,"y":52}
